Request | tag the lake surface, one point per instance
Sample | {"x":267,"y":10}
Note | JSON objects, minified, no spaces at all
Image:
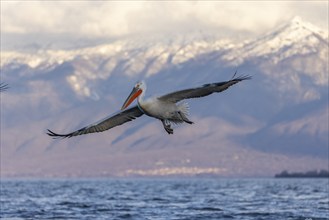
{"x":303,"y":199}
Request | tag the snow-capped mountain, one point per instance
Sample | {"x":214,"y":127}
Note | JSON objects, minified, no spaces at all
{"x":294,"y":38}
{"x":276,"y":121}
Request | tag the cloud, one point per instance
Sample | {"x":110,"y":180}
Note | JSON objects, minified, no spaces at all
{"x":85,"y":18}
{"x":71,"y":20}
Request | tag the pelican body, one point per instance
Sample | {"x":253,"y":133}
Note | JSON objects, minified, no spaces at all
{"x":169,"y":109}
{"x":158,"y":107}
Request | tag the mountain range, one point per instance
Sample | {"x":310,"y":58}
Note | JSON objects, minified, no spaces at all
{"x":276,"y":121}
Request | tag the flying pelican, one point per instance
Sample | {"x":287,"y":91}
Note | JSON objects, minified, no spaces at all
{"x":168,"y":108}
{"x":3,"y":87}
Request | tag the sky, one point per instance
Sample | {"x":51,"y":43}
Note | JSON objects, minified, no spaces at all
{"x":61,"y":23}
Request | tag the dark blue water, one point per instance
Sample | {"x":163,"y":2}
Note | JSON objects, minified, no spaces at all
{"x":303,"y":199}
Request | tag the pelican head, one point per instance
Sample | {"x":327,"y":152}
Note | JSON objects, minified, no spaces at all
{"x":138,"y":89}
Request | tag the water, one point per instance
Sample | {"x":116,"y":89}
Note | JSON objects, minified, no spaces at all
{"x":303,"y":199}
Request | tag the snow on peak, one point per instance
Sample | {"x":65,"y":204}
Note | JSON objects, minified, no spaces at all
{"x":293,"y":37}
{"x":298,"y":23}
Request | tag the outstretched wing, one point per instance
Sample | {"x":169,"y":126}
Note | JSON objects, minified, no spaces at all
{"x":202,"y":91}
{"x":104,"y":124}
{"x":3,"y":87}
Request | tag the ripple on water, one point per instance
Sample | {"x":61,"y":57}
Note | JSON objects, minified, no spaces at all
{"x":165,"y":199}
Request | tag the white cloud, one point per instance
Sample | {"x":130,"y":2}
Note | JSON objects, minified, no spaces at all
{"x":70,"y":20}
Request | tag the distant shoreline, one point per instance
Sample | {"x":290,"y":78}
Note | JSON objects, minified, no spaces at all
{"x":309,"y":174}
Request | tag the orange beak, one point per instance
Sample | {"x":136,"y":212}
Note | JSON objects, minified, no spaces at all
{"x":133,"y":95}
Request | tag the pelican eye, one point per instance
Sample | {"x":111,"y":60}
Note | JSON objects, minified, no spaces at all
{"x":138,"y":85}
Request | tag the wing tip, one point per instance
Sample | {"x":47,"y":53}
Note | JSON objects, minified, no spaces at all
{"x":245,"y":77}
{"x":57,"y":136}
{"x":241,"y":77}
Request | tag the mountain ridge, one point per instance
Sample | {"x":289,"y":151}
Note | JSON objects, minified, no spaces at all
{"x":66,"y":90}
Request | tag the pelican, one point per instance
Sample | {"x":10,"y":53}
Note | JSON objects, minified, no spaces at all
{"x":169,"y":109}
